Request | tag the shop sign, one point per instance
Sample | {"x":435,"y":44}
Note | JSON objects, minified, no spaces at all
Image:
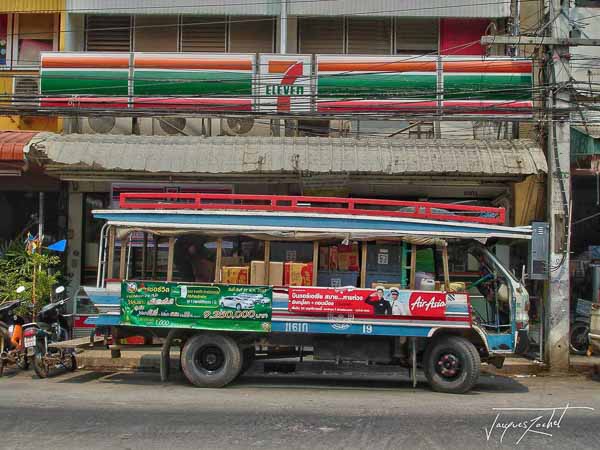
{"x":195,"y":306}
{"x":355,"y":302}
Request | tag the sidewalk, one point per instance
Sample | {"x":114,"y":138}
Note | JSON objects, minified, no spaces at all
{"x":149,"y":361}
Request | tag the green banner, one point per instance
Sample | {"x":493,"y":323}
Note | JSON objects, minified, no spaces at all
{"x":203,"y":307}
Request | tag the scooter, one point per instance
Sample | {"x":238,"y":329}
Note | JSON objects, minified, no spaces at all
{"x":11,"y":336}
{"x":41,"y":337}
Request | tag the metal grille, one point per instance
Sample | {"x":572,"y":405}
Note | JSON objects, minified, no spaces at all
{"x":321,"y":35}
{"x":369,"y":36}
{"x":108,"y":33}
{"x":204,"y":34}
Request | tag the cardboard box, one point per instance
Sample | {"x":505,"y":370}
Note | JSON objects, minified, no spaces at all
{"x":348,"y":258}
{"x":275,"y":273}
{"x":333,"y":258}
{"x":235,"y":275}
{"x":257,"y":273}
{"x":323,"y":258}
{"x":298,"y":274}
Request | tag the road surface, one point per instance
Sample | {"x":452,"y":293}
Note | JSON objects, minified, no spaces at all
{"x":93,"y":410}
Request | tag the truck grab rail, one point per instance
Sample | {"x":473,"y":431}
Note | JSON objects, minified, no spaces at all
{"x":318,"y":205}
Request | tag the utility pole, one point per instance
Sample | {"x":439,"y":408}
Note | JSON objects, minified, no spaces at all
{"x":557,"y":76}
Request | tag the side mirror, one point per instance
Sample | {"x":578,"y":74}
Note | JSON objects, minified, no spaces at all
{"x":60,"y":290}
{"x":20,"y":289}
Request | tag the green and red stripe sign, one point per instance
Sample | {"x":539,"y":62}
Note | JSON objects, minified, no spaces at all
{"x":326,"y":84}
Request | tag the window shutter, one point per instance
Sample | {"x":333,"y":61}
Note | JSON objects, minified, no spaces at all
{"x":369,"y":36}
{"x":321,"y":35}
{"x":147,"y":28}
{"x":108,"y":34}
{"x":251,"y":34}
{"x":204,"y":34}
{"x":25,"y":90}
{"x":416,"y":36}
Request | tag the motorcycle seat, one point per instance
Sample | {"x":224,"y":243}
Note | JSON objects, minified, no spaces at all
{"x":6,"y":307}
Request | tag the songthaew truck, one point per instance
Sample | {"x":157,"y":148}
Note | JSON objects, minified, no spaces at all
{"x":233,"y":277}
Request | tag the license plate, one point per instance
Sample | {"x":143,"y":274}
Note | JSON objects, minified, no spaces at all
{"x":29,"y":341}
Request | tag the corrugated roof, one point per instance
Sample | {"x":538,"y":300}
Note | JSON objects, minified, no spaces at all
{"x":192,"y":7}
{"x":280,"y":155}
{"x":385,"y":8}
{"x":404,"y":8}
{"x":12,"y":143}
{"x":32,"y":5}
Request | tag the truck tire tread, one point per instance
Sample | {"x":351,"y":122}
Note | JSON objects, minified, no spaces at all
{"x":470,"y":360}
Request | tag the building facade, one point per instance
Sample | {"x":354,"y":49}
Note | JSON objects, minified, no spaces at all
{"x":27,"y":28}
{"x":138,"y":114}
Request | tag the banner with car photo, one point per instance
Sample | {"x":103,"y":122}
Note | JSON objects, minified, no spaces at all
{"x":205,"y":307}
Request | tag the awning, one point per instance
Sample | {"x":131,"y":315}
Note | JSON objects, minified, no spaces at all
{"x":192,"y":155}
{"x":12,"y":161}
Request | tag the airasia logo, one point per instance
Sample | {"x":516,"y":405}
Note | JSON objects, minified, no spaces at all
{"x":424,"y":304}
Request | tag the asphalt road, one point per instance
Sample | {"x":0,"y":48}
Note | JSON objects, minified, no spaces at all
{"x":92,"y":410}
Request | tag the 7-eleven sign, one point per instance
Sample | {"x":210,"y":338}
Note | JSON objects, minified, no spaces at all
{"x":284,"y":83}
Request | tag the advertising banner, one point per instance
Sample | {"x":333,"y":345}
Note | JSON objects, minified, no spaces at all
{"x":203,"y":307}
{"x":373,"y":302}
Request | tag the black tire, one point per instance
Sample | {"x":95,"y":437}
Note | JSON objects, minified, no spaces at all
{"x":71,"y":362}
{"x":579,"y":340}
{"x":238,"y":307}
{"x":451,"y":364}
{"x":211,"y":360}
{"x":41,"y":369}
{"x":3,"y":335}
{"x":23,"y":361}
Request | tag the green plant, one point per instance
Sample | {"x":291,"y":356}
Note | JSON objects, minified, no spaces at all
{"x":19,"y":268}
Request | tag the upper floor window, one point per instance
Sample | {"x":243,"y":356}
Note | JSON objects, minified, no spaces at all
{"x":150,"y":33}
{"x":33,"y":34}
{"x":23,"y":37}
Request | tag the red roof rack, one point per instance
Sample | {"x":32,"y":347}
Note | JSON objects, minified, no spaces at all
{"x":319,"y":205}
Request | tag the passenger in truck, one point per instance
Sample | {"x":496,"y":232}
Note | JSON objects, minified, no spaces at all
{"x":381,"y":307}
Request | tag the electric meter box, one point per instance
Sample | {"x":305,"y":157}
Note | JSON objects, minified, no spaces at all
{"x":538,"y":251}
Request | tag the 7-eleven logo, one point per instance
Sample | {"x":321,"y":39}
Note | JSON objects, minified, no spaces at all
{"x":291,"y":70}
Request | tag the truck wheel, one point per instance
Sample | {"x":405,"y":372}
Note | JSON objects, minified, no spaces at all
{"x":211,"y":360}
{"x":451,"y":365}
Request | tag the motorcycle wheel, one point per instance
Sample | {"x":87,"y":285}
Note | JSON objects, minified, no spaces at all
{"x":2,"y":335}
{"x":70,"y":362}
{"x":23,"y":362}
{"x":579,"y":340}
{"x":39,"y":366}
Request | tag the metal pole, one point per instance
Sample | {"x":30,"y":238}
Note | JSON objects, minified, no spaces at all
{"x":414,"y":361}
{"x":41,"y":218}
{"x":283,"y":25}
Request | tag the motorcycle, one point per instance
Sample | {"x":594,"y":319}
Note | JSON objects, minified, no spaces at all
{"x":579,"y":340}
{"x":12,"y":350}
{"x":51,"y":327}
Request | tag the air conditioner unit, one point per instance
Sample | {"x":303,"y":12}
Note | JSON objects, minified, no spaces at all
{"x":26,"y":91}
{"x":179,"y":126}
{"x":340,"y":128}
{"x":242,"y":126}
{"x":105,"y":125}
